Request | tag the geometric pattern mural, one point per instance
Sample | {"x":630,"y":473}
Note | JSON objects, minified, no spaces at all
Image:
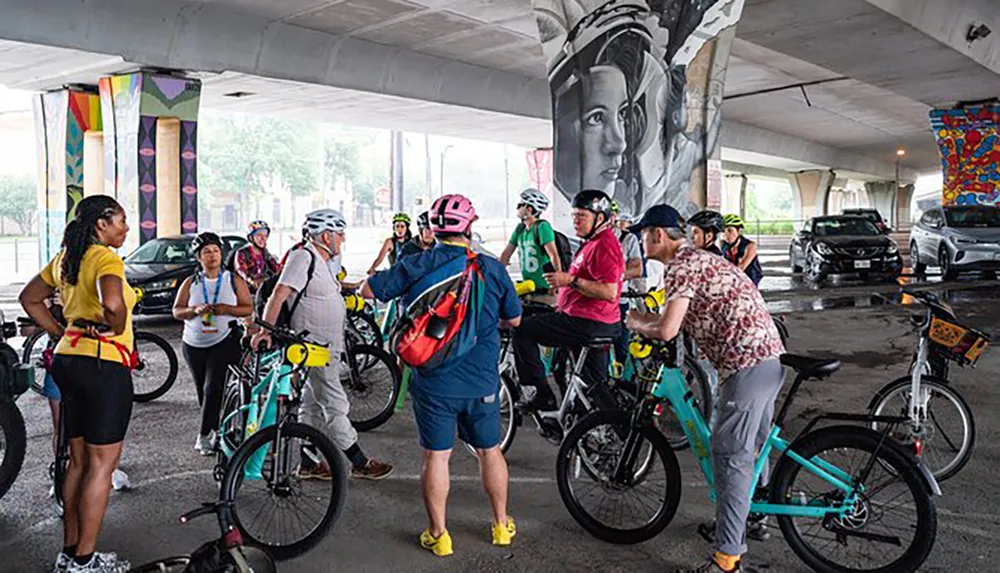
{"x":969,"y":146}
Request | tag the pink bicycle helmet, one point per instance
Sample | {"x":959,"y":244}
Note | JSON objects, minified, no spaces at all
{"x":452,"y":214}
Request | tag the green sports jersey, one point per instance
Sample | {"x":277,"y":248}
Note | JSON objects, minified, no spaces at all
{"x":533,"y":256}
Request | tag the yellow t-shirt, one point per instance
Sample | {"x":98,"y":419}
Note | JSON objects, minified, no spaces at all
{"x":83,"y":301}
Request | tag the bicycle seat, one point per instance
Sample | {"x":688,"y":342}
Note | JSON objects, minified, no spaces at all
{"x":599,"y":341}
{"x":810,"y":367}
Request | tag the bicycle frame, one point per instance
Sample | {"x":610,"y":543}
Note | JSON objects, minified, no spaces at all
{"x":674,"y":387}
{"x":918,"y":397}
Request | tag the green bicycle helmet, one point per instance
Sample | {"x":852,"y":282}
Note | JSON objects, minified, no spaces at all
{"x":732,"y":220}
{"x":401,"y":218}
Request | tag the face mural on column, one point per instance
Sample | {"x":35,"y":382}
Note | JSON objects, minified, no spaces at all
{"x":636,"y":93}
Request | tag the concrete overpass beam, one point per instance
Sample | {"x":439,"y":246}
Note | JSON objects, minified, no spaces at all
{"x":810,"y":190}
{"x":883,"y":196}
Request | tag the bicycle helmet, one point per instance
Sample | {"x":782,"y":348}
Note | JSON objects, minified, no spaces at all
{"x":733,"y":221}
{"x":535,"y":199}
{"x":323,"y":220}
{"x":401,"y":218}
{"x":708,"y":221}
{"x":423,"y":221}
{"x":597,"y":202}
{"x":255,"y":226}
{"x":614,"y":207}
{"x":452,"y":214}
{"x":202,"y":240}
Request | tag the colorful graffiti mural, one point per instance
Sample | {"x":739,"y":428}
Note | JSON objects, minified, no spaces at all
{"x":137,"y":102}
{"x":636,"y":95}
{"x":969,"y":144}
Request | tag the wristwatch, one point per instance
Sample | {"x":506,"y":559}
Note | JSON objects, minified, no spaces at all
{"x":574,"y":284}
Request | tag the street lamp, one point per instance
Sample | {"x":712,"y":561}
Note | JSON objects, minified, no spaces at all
{"x":444,"y":152}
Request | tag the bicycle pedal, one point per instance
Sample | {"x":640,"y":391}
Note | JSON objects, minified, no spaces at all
{"x":707,"y":532}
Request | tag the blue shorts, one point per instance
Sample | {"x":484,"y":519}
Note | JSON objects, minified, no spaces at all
{"x":49,"y":389}
{"x":477,"y":420}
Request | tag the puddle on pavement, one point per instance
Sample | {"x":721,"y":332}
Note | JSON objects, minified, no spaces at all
{"x":977,"y":294}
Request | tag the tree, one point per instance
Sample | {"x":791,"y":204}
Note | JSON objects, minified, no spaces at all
{"x":18,"y":202}
{"x":340,"y":159}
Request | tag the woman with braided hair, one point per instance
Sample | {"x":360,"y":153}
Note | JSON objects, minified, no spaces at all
{"x":92,"y":367}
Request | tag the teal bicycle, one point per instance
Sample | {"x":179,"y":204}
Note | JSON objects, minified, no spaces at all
{"x":263,"y":450}
{"x":846,"y":498}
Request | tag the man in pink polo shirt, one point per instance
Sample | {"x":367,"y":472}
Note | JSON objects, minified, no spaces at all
{"x":587,"y":304}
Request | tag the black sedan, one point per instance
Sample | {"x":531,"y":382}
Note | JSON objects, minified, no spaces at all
{"x":844,"y":244}
{"x":161,"y":265}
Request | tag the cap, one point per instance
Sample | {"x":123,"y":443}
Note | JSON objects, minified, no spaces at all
{"x":663,"y":216}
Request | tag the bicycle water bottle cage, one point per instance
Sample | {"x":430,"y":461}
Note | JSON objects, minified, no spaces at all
{"x":437,"y":327}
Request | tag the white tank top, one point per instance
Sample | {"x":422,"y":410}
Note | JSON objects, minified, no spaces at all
{"x":198,"y":332}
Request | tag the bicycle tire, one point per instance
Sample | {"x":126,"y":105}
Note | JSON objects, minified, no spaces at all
{"x":889,"y":455}
{"x":361,"y":359}
{"x":169,"y":565}
{"x":32,"y":358}
{"x":14,"y":439}
{"x":702,"y":390}
{"x":163,"y":387}
{"x":258,"y":560}
{"x":669,"y":500}
{"x":885,"y":394}
{"x":233,"y":434}
{"x":375,"y":337}
{"x":233,"y":480}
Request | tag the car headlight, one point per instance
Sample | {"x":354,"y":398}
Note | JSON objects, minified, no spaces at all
{"x":892,"y":249}
{"x":161,"y":285}
{"x":964,"y":241}
{"x":823,"y":249}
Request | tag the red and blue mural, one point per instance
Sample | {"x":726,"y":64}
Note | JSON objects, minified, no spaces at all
{"x":969,"y":144}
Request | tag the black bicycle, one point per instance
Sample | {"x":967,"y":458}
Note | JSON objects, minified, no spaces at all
{"x":14,"y":381}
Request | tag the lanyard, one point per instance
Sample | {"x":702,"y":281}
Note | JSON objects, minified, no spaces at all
{"x":218,"y":287}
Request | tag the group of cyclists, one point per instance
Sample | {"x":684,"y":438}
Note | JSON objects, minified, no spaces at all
{"x":710,"y":294}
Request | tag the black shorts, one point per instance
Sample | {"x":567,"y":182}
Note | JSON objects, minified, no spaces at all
{"x":96,"y":396}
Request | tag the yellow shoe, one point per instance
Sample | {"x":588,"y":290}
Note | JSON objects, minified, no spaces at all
{"x":440,"y":546}
{"x":502,"y":534}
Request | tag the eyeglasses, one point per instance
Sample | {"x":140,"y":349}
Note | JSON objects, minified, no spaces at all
{"x":580,"y":216}
{"x":519,"y":205}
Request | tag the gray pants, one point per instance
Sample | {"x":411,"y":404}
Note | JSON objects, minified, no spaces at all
{"x":746,"y":407}
{"x":325,"y":405}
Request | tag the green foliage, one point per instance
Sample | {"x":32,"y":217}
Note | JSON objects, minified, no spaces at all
{"x":18,"y":202}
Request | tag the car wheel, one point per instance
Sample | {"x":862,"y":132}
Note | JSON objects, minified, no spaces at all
{"x":948,"y":270}
{"x":791,"y":261}
{"x":814,"y":273}
{"x":918,"y":267}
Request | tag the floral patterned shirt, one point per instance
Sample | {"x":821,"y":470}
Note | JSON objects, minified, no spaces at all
{"x":727,"y":316}
{"x":255,"y":266}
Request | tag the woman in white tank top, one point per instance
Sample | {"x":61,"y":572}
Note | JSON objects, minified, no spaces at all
{"x":209,"y":303}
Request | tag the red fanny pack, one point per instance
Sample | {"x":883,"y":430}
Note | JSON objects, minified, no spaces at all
{"x":129,"y":357}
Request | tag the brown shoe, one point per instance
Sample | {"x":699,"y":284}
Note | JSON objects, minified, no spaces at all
{"x":373,"y":470}
{"x":320,"y":471}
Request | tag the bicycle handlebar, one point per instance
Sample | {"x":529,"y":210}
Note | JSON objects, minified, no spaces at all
{"x":282,"y":333}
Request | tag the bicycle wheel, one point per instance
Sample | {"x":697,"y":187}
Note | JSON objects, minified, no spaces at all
{"x":371,"y":379}
{"x":365,"y":325}
{"x":947,"y":436}
{"x":157,"y":368}
{"x":698,"y":383}
{"x":893,"y":525}
{"x":272,"y":507}
{"x":258,"y":560}
{"x":618,"y":511}
{"x":509,"y":416}
{"x":31,"y":354}
{"x":13,"y":440}
{"x":232,"y":422}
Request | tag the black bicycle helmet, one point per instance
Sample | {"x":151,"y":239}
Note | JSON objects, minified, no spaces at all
{"x":597,"y":202}
{"x":202,"y":240}
{"x":423,"y":221}
{"x":708,"y":221}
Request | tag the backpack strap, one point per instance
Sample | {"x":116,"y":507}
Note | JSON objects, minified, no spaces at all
{"x":309,"y":276}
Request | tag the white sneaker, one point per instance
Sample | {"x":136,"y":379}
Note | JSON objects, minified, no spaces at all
{"x":120,"y":481}
{"x":205,"y":444}
{"x":101,"y":563}
{"x":62,"y":563}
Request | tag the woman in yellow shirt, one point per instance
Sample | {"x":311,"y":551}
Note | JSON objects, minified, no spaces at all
{"x":91,"y":366}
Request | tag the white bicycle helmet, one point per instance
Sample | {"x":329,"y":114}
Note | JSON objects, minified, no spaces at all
{"x":535,"y":199}
{"x":323,"y":220}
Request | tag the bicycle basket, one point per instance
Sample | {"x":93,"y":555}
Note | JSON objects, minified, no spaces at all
{"x":956,"y":342}
{"x":311,"y":355}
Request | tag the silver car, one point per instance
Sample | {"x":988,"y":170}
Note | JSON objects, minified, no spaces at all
{"x":957,"y":239}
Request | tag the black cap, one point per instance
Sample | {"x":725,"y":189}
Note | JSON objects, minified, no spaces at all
{"x":663,"y":216}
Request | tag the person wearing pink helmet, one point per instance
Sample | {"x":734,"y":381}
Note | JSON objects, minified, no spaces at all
{"x":463,"y":392}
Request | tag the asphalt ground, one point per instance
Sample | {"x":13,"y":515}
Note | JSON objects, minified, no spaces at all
{"x":379,"y":527}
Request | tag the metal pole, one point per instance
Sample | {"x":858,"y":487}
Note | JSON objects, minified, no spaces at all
{"x":506,"y":185}
{"x":442,"y":172}
{"x":17,"y":257}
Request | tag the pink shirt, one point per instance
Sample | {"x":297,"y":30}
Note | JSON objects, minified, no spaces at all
{"x":599,"y":259}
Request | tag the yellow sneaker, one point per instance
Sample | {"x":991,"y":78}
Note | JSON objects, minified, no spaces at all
{"x":502,"y":534}
{"x":440,"y":546}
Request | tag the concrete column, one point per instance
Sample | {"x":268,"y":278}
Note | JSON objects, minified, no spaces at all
{"x":63,"y":118}
{"x":903,"y":200}
{"x":969,"y":144}
{"x":734,"y":195}
{"x":810,"y":190}
{"x":882,"y":196}
{"x":137,"y":106}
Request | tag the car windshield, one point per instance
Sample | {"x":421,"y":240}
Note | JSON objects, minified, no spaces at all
{"x":163,"y":252}
{"x":872,"y":216}
{"x":970,"y":217}
{"x":848,"y":226}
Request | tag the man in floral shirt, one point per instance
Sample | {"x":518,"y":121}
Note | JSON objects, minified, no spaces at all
{"x":717,"y":304}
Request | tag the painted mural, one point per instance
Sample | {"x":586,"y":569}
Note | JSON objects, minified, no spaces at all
{"x":969,"y":144}
{"x":636,"y":94}
{"x":136,"y":102}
